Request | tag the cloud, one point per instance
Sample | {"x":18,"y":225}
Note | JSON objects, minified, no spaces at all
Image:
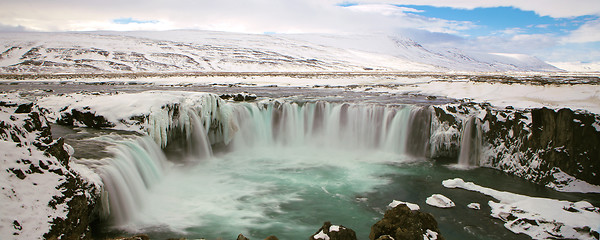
{"x":552,"y":8}
{"x":306,"y":16}
{"x":588,"y":32}
{"x":8,"y":28}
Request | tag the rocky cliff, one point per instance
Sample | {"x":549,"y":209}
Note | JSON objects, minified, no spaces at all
{"x":546,"y":146}
{"x":42,"y":194}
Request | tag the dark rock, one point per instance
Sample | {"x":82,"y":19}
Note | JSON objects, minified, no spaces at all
{"x":18,"y":173}
{"x":136,"y":237}
{"x":87,"y":118}
{"x":558,"y":140}
{"x":401,"y":223}
{"x":385,"y":237}
{"x":242,"y":237}
{"x":271,"y":238}
{"x":335,"y":233}
{"x":238,"y":97}
{"x":24,"y":108}
{"x":31,"y":130}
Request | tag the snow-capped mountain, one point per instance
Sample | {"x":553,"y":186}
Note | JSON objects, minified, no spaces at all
{"x":450,"y":59}
{"x":202,"y":51}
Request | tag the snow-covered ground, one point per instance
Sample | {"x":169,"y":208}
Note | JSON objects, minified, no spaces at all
{"x":540,"y":218}
{"x":578,"y":66}
{"x":518,"y":95}
{"x":203,"y":51}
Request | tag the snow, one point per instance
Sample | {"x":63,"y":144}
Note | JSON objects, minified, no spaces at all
{"x":474,"y":206}
{"x":439,"y":200}
{"x":321,"y":235}
{"x":430,"y":235}
{"x":566,"y":183}
{"x":25,"y":201}
{"x":578,"y":66}
{"x":29,"y":180}
{"x":540,"y":218}
{"x":411,"y":206}
{"x":121,"y":110}
{"x":188,"y":51}
{"x":334,"y":228}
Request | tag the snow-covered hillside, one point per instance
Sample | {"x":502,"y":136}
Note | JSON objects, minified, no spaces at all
{"x":201,"y":51}
{"x":450,"y":59}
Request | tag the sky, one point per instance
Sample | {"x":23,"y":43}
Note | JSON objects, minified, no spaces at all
{"x":552,"y":30}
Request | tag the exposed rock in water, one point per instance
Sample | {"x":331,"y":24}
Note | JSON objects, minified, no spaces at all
{"x":136,"y":237}
{"x":333,"y":232}
{"x":242,"y":237}
{"x":401,"y":223}
{"x":238,"y":97}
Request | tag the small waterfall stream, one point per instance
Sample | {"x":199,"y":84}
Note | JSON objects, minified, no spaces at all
{"x":470,"y":143}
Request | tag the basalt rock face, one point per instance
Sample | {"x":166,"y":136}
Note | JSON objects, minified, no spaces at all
{"x":401,"y":223}
{"x":535,"y":144}
{"x":569,"y":141}
{"x":38,"y":164}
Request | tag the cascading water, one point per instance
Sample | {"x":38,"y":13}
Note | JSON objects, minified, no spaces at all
{"x":331,"y":125}
{"x":282,"y":168}
{"x":470,"y":143}
{"x":137,"y":166}
{"x":280,"y":154}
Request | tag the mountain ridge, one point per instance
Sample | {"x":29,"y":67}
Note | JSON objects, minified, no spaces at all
{"x":203,"y":51}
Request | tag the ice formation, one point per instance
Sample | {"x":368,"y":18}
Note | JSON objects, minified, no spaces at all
{"x":540,"y":218}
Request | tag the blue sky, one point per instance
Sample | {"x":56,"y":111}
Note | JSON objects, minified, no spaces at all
{"x":497,"y":20}
{"x":553,"y":30}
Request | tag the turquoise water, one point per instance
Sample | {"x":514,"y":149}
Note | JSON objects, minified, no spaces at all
{"x":290,"y":167}
{"x":290,"y":192}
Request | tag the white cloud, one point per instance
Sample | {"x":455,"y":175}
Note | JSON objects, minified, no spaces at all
{"x":552,"y":8}
{"x":588,"y":32}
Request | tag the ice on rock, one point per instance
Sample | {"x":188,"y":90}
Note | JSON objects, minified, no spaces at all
{"x":430,"y":235}
{"x":474,"y":206}
{"x":439,"y":200}
{"x":321,"y":235}
{"x":412,"y":206}
{"x":540,"y":218}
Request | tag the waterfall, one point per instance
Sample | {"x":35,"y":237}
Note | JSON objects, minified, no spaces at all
{"x":136,"y":167}
{"x":333,"y":125}
{"x":470,"y":143}
{"x":138,"y":164}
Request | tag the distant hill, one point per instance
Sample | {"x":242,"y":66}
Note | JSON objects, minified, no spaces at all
{"x":203,"y":51}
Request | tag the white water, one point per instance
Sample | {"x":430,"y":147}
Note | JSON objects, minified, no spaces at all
{"x":325,"y":125}
{"x":470,"y":143}
{"x":137,"y":166}
{"x":282,"y":157}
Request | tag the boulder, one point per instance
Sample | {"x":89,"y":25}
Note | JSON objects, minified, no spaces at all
{"x":333,"y":232}
{"x":401,"y":223}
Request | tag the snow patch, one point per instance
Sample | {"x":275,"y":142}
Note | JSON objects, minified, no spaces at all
{"x":474,"y":206}
{"x":411,"y":206}
{"x":540,"y":218}
{"x":430,"y":235}
{"x":564,"y":182}
{"x":321,"y":235}
{"x":439,"y":200}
